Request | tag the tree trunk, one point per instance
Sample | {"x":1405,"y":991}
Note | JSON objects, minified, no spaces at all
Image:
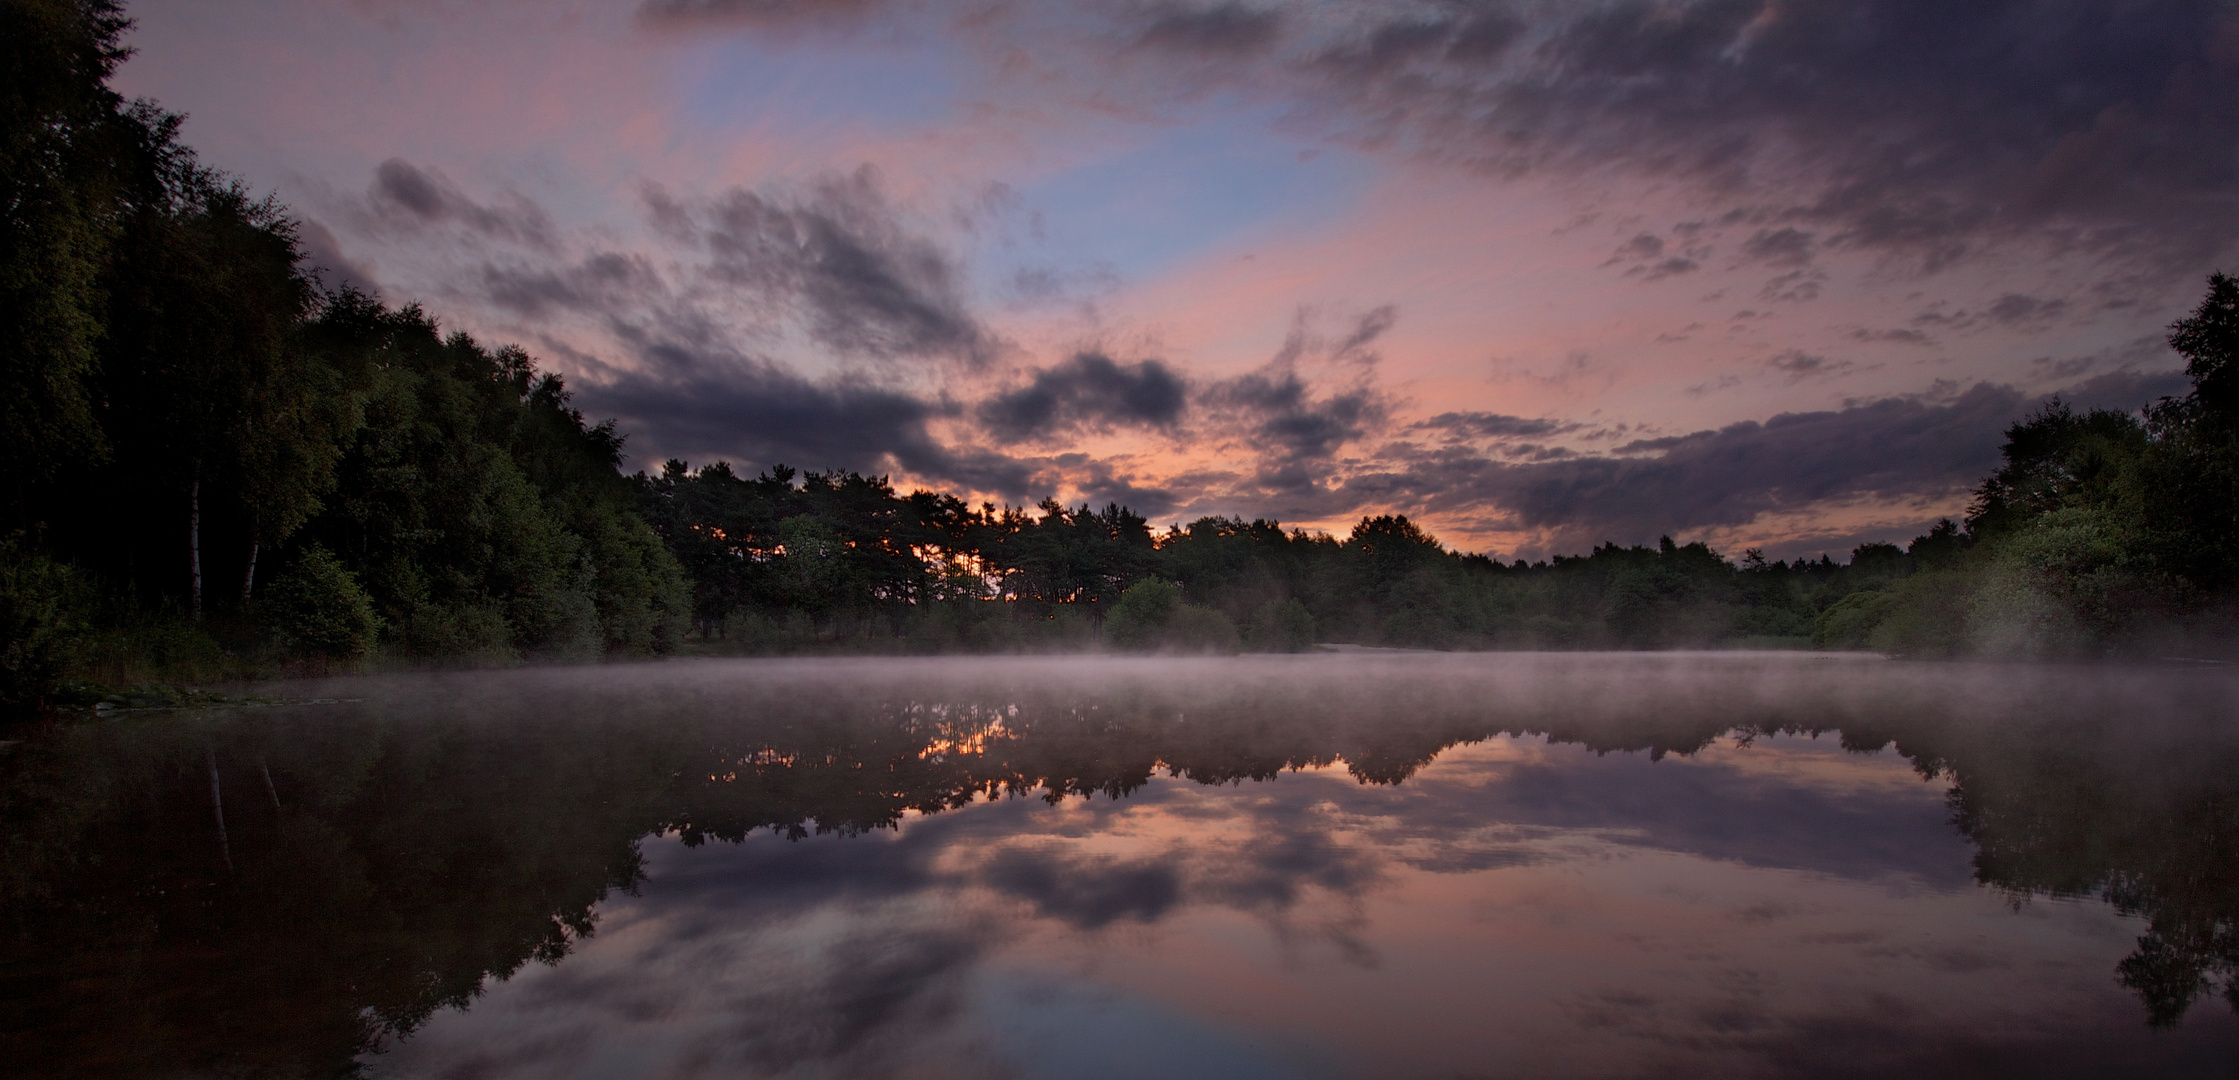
{"x":194,"y":543}
{"x":249,"y":576}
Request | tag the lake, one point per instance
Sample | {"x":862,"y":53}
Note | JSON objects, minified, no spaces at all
{"x":1327,"y":865}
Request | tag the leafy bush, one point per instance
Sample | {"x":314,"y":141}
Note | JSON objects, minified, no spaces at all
{"x":1152,"y":615}
{"x":1281,"y":626}
{"x":2064,"y":584}
{"x":1142,"y":613}
{"x":1850,"y":622}
{"x":40,"y":627}
{"x":318,"y":607}
{"x":1197,"y":629}
{"x":1930,"y":617}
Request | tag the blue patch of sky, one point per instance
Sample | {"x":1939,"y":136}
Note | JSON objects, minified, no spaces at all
{"x":1159,"y":202}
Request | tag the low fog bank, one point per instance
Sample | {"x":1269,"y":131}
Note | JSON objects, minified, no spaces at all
{"x":1356,"y":690}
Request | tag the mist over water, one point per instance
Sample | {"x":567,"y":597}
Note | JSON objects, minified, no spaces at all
{"x":1364,"y":864}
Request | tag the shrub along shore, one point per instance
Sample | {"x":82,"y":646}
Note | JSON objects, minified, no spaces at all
{"x":217,"y":469}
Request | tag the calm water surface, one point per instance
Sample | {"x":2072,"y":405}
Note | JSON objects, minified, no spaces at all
{"x":1353,"y":865}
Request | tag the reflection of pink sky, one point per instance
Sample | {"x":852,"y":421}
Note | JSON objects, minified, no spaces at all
{"x":1509,"y":299}
{"x":1608,"y":958}
{"x":1602,"y":956}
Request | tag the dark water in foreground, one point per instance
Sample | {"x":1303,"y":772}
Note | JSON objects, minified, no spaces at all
{"x":1319,"y":866}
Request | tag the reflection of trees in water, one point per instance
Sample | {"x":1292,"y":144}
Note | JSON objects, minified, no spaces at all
{"x":389,"y":866}
{"x":2158,"y":840}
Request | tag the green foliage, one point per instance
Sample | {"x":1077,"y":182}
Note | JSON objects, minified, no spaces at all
{"x":1280,"y":626}
{"x":1153,"y":615}
{"x":41,"y":624}
{"x":2070,"y":582}
{"x":182,"y":405}
{"x":1850,"y":622}
{"x":1194,"y":628}
{"x":319,"y":608}
{"x":65,"y":139}
{"x":1139,"y":618}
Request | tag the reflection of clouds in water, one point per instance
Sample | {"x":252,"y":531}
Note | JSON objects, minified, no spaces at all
{"x":855,"y":990}
{"x":850,"y":956}
{"x":1713,"y":805}
{"x":1085,"y":891}
{"x":1788,"y":905}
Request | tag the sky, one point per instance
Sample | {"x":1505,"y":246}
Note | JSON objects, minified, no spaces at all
{"x":1760,"y":273}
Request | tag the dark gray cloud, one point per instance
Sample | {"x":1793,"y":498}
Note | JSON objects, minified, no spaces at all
{"x":712,"y":404}
{"x":1780,"y":247}
{"x":1900,"y":125}
{"x":1229,"y":29}
{"x":768,"y":14}
{"x":1641,"y":247}
{"x":1917,"y":447}
{"x":1294,"y":427}
{"x":404,"y":195}
{"x":323,"y":257}
{"x":1088,"y":391}
{"x":1799,"y":365}
{"x":863,"y":283}
{"x":1085,"y":891}
{"x":1099,"y":483}
{"x":1899,"y":335}
{"x":2014,"y":309}
{"x":602,"y":282}
{"x":1646,"y":252}
{"x":1485,"y":425}
{"x":1913,"y":128}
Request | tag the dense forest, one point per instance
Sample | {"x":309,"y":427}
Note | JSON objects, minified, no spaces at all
{"x":216,"y":468}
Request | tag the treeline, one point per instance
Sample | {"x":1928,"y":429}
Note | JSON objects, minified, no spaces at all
{"x":2104,"y":533}
{"x":798,"y":560}
{"x":212,"y":464}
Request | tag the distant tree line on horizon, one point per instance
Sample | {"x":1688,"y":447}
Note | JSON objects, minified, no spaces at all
{"x":215,"y":467}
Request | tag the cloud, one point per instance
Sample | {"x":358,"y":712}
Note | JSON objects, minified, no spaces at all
{"x":758,"y":412}
{"x":1365,"y":331}
{"x":2016,"y":310}
{"x":1280,"y":413}
{"x":602,"y":282}
{"x":404,"y":196}
{"x":1085,"y":891}
{"x":1485,"y":425}
{"x":1919,"y":447}
{"x":1640,"y":248}
{"x":323,"y":258}
{"x":764,"y":14}
{"x":1730,"y":476}
{"x":1799,"y":365}
{"x":1930,"y":132}
{"x":1225,"y":30}
{"x":1901,"y":336}
{"x":1089,"y":391}
{"x":1788,"y":248}
{"x":862,"y":282}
